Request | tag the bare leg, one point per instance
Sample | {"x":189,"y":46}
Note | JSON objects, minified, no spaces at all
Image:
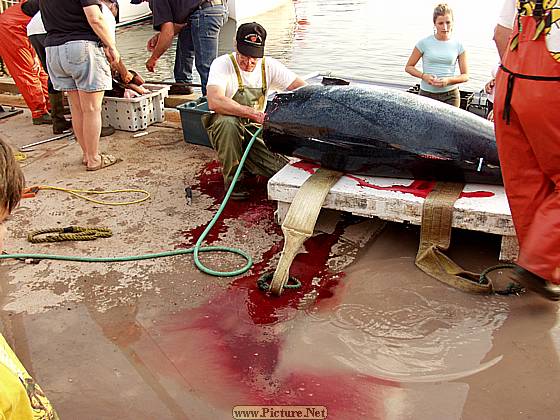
{"x":90,"y":103}
{"x":77,"y":120}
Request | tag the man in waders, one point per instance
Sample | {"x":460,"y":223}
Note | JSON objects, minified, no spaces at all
{"x":238,"y":86}
{"x":528,"y":137}
{"x":37,"y":34}
{"x":22,"y":63}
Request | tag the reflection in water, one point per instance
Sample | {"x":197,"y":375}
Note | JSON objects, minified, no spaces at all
{"x":525,"y":382}
{"x":400,"y":333}
{"x":280,"y":24}
{"x":361,"y":38}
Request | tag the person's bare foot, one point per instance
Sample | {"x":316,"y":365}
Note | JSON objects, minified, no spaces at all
{"x":104,"y":161}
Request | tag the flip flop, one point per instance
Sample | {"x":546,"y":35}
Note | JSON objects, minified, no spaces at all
{"x":106,"y":160}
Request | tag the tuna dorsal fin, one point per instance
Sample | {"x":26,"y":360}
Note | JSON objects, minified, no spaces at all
{"x":332,"y":81}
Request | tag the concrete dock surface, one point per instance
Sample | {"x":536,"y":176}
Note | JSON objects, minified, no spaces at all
{"x":368,"y":336}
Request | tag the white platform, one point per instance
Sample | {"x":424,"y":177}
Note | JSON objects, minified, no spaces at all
{"x":481,"y":208}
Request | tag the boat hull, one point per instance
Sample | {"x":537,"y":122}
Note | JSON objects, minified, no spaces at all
{"x":242,"y":10}
{"x":133,"y":13}
{"x":384,"y":132}
{"x":239,"y":10}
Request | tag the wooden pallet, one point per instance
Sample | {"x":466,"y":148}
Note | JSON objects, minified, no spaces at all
{"x":481,"y":208}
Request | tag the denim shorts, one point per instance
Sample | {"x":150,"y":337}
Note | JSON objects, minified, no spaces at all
{"x":79,"y":65}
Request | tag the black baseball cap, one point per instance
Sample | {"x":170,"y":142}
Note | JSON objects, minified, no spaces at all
{"x":250,"y":39}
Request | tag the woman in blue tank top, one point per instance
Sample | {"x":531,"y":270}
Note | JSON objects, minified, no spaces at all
{"x":440,"y":55}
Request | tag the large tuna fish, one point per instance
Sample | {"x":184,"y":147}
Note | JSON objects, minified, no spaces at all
{"x":382,"y":132}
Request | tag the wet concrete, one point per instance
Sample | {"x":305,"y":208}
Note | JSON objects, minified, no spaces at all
{"x":368,"y":335}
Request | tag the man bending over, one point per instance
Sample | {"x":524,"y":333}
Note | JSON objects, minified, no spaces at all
{"x":238,"y":85}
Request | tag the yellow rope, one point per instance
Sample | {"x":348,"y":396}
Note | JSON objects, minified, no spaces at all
{"x":79,"y":194}
{"x":70,"y":233}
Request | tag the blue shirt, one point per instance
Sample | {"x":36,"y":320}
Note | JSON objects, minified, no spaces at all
{"x":440,"y":59}
{"x":176,"y":11}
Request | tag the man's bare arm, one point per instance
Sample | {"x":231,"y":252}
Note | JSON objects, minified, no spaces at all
{"x":126,"y":76}
{"x":178,"y":27}
{"x":297,"y":84}
{"x":501,"y":38}
{"x":164,"y":41}
{"x":221,"y":104}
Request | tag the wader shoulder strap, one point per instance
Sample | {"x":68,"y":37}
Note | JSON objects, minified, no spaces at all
{"x":510,"y":83}
{"x":263,"y":71}
{"x":537,"y":10}
{"x":237,"y":72}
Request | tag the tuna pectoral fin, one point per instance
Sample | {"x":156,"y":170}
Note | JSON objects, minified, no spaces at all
{"x":300,"y":221}
{"x":435,"y":238}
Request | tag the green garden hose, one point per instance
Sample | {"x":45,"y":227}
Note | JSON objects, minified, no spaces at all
{"x":194,"y":250}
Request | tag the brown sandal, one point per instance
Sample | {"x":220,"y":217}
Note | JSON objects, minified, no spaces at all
{"x":106,"y":160}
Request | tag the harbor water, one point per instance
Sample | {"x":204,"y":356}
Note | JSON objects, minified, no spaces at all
{"x":369,"y":39}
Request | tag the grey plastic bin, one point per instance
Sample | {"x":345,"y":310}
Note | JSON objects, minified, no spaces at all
{"x":191,"y":120}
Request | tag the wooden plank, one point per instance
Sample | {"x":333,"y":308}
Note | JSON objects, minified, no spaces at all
{"x":12,"y":100}
{"x":7,"y":85}
{"x":172,"y":101}
{"x":11,"y":96}
{"x":509,"y":249}
{"x":481,"y":208}
{"x":172,"y":115}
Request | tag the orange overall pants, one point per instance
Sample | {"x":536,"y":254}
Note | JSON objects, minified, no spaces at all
{"x":529,"y":148}
{"x":21,"y":60}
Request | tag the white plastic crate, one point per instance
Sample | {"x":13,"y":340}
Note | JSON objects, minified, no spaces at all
{"x":133,"y":114}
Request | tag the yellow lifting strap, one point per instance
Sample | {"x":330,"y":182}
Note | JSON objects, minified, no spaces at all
{"x":435,"y":238}
{"x":300,"y":221}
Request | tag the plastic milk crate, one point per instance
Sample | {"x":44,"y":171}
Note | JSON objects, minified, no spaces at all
{"x":191,"y":120}
{"x":133,"y":114}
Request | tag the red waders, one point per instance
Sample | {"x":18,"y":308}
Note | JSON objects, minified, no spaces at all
{"x":21,"y":60}
{"x":529,"y":148}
